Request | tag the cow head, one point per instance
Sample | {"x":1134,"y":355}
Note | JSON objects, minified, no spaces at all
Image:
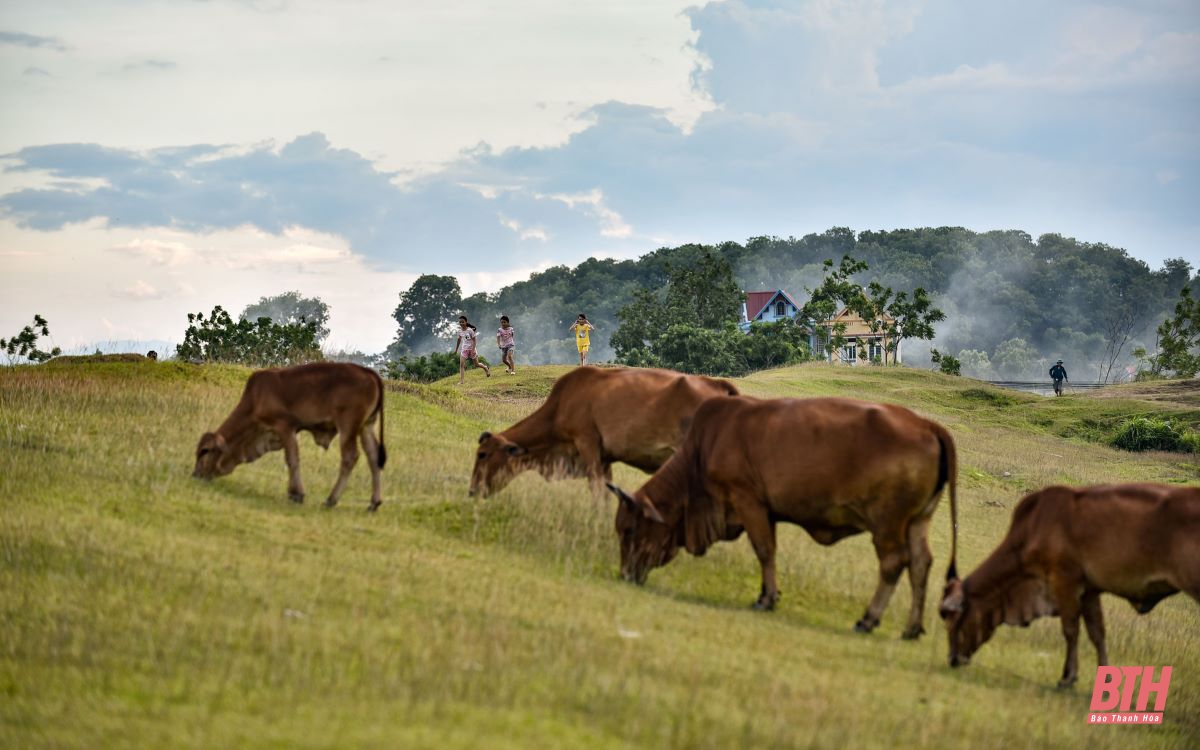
{"x":497,"y":461}
{"x":213,"y":457}
{"x":647,"y":540}
{"x":962,"y":622}
{"x":971,"y":616}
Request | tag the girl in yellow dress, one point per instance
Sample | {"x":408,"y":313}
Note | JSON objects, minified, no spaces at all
{"x":583,"y":336}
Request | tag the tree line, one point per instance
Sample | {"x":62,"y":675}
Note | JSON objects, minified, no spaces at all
{"x":995,"y":304}
{"x":1011,"y":303}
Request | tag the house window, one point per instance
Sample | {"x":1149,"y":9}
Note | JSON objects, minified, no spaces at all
{"x":780,"y":309}
{"x":875,"y":351}
{"x":850,"y":352}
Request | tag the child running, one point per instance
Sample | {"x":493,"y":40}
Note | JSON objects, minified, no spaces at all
{"x":504,"y":340}
{"x":467,"y":334}
{"x":583,"y":336}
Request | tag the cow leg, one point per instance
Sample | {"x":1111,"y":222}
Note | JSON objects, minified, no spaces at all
{"x":761,"y":531}
{"x":893,"y":557}
{"x":370,"y":447}
{"x":291,"y":455}
{"x":349,"y":458}
{"x":1093,"y":618}
{"x":920,"y":560}
{"x":589,"y":456}
{"x":1067,"y":599}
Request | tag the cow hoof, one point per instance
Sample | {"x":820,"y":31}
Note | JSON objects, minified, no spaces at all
{"x":296,"y":497}
{"x":765,"y":603}
{"x":1065,"y":684}
{"x":330,"y":503}
{"x":374,"y":506}
{"x":912,"y":633}
{"x":865,"y":625}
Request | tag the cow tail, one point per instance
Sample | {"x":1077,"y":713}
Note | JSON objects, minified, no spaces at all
{"x":381,"y":452}
{"x":949,"y":476}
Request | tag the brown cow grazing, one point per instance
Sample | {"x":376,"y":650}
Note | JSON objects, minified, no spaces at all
{"x":324,"y":398}
{"x":1065,"y":546}
{"x":593,"y":418}
{"x":834,"y":466}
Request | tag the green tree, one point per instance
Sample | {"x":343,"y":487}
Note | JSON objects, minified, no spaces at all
{"x":262,"y":343}
{"x":836,"y":291}
{"x":898,"y":317}
{"x":1179,"y":340}
{"x":25,"y":343}
{"x":699,"y":297}
{"x":427,"y":312}
{"x":945,"y":363}
{"x":1014,"y":358}
{"x":291,"y":308}
{"x":976,"y":363}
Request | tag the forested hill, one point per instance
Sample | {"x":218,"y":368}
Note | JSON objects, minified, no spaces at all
{"x":1010,"y":301}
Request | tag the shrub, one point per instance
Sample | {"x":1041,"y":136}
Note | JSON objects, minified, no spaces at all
{"x":1149,"y":434}
{"x":25,"y":344}
{"x":262,"y":343}
{"x":946,"y":364}
{"x":426,"y":368}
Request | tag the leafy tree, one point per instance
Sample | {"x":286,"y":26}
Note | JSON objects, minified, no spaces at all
{"x":700,"y":296}
{"x":290,"y":308}
{"x":945,"y":363}
{"x":25,"y":343}
{"x":836,"y":291}
{"x":1179,"y":340}
{"x":898,"y":317}
{"x":427,"y":312}
{"x":262,"y":343}
{"x":773,"y":345}
{"x":975,"y":363}
{"x":1014,"y":358}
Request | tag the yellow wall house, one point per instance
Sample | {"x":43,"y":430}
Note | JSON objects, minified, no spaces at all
{"x":862,"y":344}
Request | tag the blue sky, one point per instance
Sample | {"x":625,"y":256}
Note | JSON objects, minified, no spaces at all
{"x":166,"y":156}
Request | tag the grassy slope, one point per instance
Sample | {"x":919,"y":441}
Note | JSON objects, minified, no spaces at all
{"x":141,"y":608}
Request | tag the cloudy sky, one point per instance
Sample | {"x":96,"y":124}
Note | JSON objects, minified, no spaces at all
{"x":162,"y":156}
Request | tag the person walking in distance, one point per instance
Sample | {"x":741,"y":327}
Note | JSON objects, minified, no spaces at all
{"x":583,"y":336}
{"x":464,"y":347}
{"x":1058,"y":373}
{"x":506,"y":342}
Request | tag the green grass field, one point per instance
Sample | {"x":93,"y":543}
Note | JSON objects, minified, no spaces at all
{"x":141,"y":608}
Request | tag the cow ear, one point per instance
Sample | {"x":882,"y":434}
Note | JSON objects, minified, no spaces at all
{"x":635,"y":504}
{"x":484,"y":436}
{"x":952,"y":600}
{"x":517,"y":450}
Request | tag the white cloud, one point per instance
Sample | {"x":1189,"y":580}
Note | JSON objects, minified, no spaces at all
{"x":139,"y":290}
{"x":155,"y":252}
{"x":525,"y":233}
{"x":592,"y":203}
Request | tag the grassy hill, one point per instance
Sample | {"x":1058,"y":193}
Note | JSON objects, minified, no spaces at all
{"x":141,"y":608}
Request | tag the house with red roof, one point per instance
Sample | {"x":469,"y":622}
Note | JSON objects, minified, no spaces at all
{"x":862,"y":344}
{"x":767,"y":307}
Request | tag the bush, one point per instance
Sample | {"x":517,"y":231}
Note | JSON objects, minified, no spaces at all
{"x":262,"y":343}
{"x":426,"y":368}
{"x":946,"y":364}
{"x":1149,"y":434}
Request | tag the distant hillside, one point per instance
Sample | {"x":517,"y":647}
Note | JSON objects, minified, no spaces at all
{"x":1012,"y":302}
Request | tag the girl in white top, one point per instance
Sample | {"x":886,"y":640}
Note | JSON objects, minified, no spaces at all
{"x":505,"y":340}
{"x":464,"y":347}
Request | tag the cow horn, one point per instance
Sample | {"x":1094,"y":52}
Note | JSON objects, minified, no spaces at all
{"x":484,"y":436}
